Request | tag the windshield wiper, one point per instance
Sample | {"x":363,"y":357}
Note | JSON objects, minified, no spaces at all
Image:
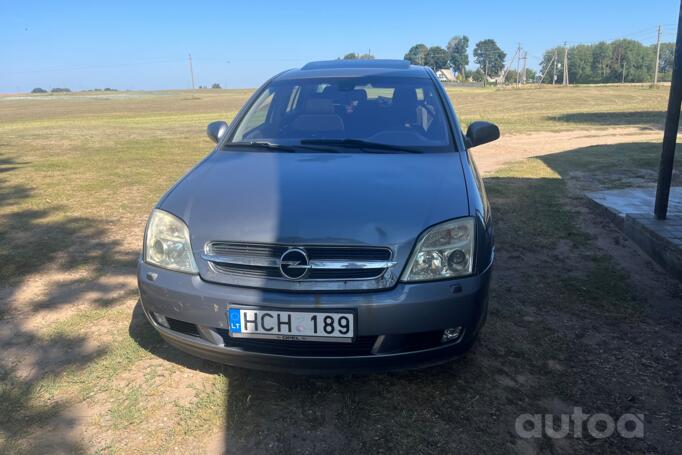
{"x":358,"y":144}
{"x":261,"y":144}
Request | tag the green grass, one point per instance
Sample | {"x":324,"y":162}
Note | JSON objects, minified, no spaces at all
{"x":127,"y":408}
{"x":530,"y":200}
{"x":611,"y":166}
{"x":561,"y":109}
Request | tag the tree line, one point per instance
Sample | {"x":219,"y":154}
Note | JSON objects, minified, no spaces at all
{"x":622,"y":60}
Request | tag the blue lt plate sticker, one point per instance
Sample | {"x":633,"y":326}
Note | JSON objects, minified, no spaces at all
{"x":235,"y":321}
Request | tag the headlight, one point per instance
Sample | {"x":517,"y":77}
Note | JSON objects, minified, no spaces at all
{"x":444,"y":251}
{"x":167,"y":243}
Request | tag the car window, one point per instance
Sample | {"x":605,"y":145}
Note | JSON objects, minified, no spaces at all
{"x":293,"y":98}
{"x":389,"y":110}
{"x":257,"y":114}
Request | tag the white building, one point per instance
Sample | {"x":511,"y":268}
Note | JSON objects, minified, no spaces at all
{"x":446,"y":75}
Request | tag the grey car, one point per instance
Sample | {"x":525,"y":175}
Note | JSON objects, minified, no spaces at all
{"x":339,"y":225}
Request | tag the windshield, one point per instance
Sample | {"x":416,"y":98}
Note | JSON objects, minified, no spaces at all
{"x":405,"y":112}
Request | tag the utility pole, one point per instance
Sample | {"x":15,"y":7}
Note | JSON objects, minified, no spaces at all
{"x":518,"y":62}
{"x":523,"y":67}
{"x":623,"y":81}
{"x":191,"y":70}
{"x":511,"y":62}
{"x":672,"y":122}
{"x":658,"y":53}
{"x":554,"y":73}
{"x":485,"y":76}
{"x":546,"y":69}
{"x":565,"y":64}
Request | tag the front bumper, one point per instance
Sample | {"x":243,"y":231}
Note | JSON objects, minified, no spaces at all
{"x":387,"y":316}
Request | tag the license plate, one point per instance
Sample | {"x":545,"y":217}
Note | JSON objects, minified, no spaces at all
{"x":291,"y":325}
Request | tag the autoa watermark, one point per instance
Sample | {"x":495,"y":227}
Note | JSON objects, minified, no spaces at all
{"x":596,"y":425}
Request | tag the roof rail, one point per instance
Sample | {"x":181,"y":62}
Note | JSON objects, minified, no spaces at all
{"x":359,"y":63}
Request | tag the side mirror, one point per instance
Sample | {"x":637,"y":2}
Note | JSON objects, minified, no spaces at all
{"x":216,"y":130}
{"x":481,"y":133}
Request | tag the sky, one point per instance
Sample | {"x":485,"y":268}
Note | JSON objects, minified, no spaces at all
{"x":144,"y":44}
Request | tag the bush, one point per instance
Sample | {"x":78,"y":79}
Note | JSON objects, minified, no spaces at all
{"x":216,"y":85}
{"x":478,"y":76}
{"x":60,"y":90}
{"x":38,"y":90}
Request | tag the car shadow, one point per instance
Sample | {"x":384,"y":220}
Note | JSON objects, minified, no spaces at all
{"x":141,"y":331}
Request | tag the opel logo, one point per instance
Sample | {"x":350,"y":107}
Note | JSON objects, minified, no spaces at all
{"x":294,"y":264}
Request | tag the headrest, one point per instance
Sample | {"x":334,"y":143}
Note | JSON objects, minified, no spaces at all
{"x":405,"y":96}
{"x":359,"y":94}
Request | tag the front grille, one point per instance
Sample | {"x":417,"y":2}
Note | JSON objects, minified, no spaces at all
{"x":262,"y":260}
{"x":248,"y":270}
{"x":361,"y":346}
{"x":245,"y":249}
{"x":345,"y":274}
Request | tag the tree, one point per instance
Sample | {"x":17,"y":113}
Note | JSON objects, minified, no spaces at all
{"x":666,"y":58}
{"x":478,"y":76}
{"x":489,"y":57}
{"x":530,"y":75}
{"x":631,"y":61}
{"x":547,"y":64}
{"x":436,"y":58}
{"x":216,"y":86}
{"x":417,"y":54}
{"x":601,"y":60}
{"x":458,"y":53}
{"x":354,"y":56}
{"x":38,"y":90}
{"x":621,"y":60}
{"x":580,"y":64}
{"x":510,"y":77}
{"x":60,"y":90}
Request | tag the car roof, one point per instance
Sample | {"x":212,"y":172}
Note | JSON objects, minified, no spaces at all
{"x":355,"y":68}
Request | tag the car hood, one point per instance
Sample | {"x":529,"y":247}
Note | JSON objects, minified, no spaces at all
{"x":304,"y":198}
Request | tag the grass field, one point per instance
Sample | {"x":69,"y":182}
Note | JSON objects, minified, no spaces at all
{"x":579,"y":318}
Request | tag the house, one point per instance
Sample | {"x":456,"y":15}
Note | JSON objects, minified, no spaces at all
{"x":446,"y":75}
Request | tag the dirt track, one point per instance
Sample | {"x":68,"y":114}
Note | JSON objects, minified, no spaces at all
{"x":521,"y":146}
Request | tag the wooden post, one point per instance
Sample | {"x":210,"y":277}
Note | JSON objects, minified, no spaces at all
{"x":672,"y":121}
{"x":658,"y":55}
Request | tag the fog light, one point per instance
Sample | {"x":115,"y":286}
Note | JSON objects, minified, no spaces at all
{"x":161,"y":320}
{"x":451,"y":334}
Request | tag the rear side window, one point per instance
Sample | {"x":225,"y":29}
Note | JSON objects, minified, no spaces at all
{"x":391,"y":110}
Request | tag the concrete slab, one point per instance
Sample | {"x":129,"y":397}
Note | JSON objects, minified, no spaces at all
{"x":631,"y":209}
